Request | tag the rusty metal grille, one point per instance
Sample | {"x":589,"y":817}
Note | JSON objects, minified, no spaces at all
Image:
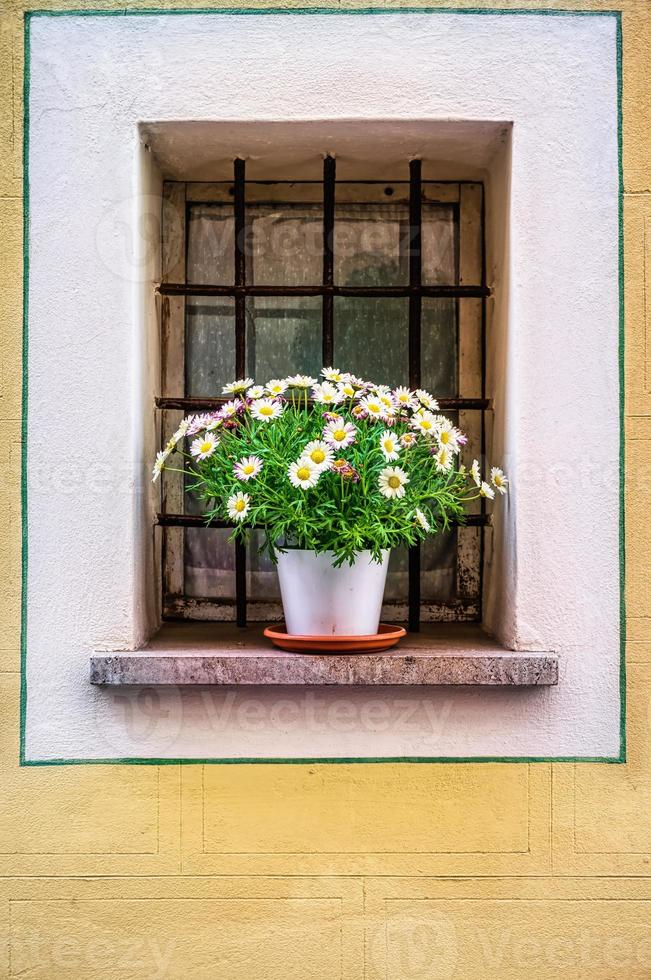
{"x":414,"y":291}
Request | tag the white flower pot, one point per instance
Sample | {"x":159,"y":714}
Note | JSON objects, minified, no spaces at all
{"x":321,"y":600}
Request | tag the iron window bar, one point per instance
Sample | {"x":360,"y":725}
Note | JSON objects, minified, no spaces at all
{"x":197,"y":520}
{"x":239,"y":208}
{"x":415,"y":307}
{"x":209,"y":404}
{"x":327,"y":291}
{"x":415,"y":291}
{"x":329,"y":177}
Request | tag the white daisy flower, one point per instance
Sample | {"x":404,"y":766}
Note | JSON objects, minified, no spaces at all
{"x":422,"y":520}
{"x":444,"y":459}
{"x":159,"y":464}
{"x":475,"y":472}
{"x":339,"y":434}
{"x":427,"y":400}
{"x":319,"y":453}
{"x":447,"y":435}
{"x":390,"y":445}
{"x":499,"y":480}
{"x":247,"y":468}
{"x":423,"y":422}
{"x":204,"y":446}
{"x":381,"y":390}
{"x":184,"y":425}
{"x":199,"y":423}
{"x":237,"y":387}
{"x":300,"y":381}
{"x":373,"y":406}
{"x":276,"y":386}
{"x":334,"y":375}
{"x":486,"y":490}
{"x":303,"y":473}
{"x":238,"y":506}
{"x":229,"y":409}
{"x":326,"y":394}
{"x":392,"y":481}
{"x":404,"y":398}
{"x":348,"y":389}
{"x":408,"y":439}
{"x":257,"y":391}
{"x":386,"y":400}
{"x":266,"y":409}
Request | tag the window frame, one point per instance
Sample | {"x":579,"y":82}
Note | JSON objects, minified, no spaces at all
{"x":472,"y":404}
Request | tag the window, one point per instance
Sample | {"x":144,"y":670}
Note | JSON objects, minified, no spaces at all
{"x":266,"y":278}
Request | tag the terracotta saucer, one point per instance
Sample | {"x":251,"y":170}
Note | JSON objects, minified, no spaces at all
{"x":387,"y":637}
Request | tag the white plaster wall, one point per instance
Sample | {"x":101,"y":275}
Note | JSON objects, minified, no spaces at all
{"x":92,"y":362}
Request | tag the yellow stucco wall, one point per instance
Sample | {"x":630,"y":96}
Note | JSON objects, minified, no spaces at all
{"x":399,"y":871}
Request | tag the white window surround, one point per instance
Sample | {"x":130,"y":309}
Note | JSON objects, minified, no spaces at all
{"x":100,"y":90}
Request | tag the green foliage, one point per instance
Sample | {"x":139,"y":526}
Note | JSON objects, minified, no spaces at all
{"x":346,"y":511}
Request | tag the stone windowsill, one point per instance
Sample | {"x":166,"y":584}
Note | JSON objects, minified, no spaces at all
{"x":218,"y":653}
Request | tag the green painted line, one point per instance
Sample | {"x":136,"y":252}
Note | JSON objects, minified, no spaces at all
{"x":353,"y":760}
{"x":365,"y":11}
{"x":321,"y":11}
{"x":622,"y":407}
{"x":24,"y":398}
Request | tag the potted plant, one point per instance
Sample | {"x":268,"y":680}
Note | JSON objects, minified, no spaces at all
{"x":336,"y":472}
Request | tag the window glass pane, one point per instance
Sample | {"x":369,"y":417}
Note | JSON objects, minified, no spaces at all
{"x":370,"y":245}
{"x":439,"y":237}
{"x":438,"y":565}
{"x":285,"y":244}
{"x":283,"y":336}
{"x":261,"y":578}
{"x":438,"y":346}
{"x":209,"y":344}
{"x":397,"y":587}
{"x":210,"y":244}
{"x":209,"y":562}
{"x":371,"y":338}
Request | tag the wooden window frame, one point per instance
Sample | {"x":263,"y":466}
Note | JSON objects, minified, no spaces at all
{"x":470,"y":292}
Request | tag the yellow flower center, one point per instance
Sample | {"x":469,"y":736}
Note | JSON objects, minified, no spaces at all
{"x":394,"y":482}
{"x":206,"y":447}
{"x":374,"y":407}
{"x":339,"y":435}
{"x":317,"y":455}
{"x":388,"y":445}
{"x":240,"y":505}
{"x":445,"y":437}
{"x":426,"y":424}
{"x":303,"y":473}
{"x":249,"y":468}
{"x":340,"y":464}
{"x":266,"y":410}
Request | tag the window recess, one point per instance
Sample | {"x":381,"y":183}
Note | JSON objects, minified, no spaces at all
{"x":265,"y":278}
